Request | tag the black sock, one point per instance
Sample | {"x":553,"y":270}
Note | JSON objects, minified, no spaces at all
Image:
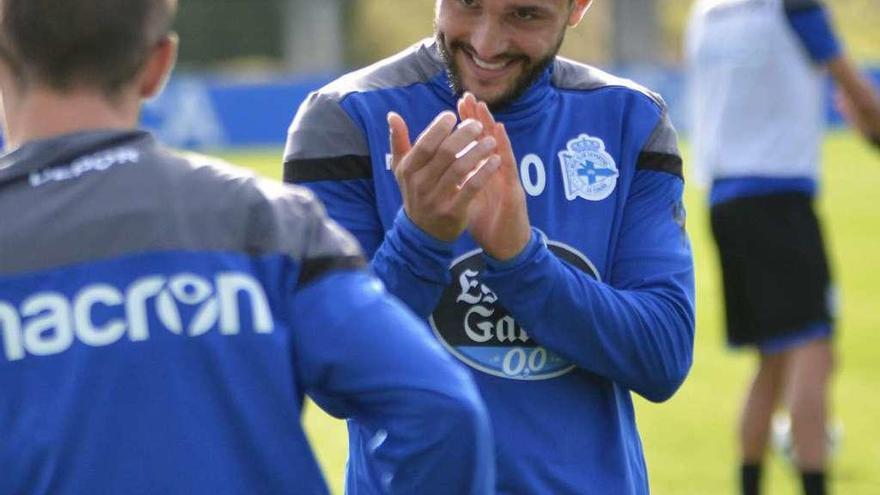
{"x":750,"y":479}
{"x":814,"y":482}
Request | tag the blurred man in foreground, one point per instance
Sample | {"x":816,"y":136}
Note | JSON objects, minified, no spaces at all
{"x":573,"y":283}
{"x":161,"y":316}
{"x":757,"y":72}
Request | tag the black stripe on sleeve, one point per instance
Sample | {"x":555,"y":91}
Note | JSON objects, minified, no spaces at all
{"x":314,"y":268}
{"x":660,"y":162}
{"x":797,"y":6}
{"x":346,"y":167}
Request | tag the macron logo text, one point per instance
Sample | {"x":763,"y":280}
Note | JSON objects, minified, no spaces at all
{"x":47,"y":323}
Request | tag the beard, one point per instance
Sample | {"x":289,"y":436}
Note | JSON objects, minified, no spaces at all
{"x":532,"y":69}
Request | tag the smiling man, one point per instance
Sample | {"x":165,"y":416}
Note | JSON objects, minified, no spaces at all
{"x":540,"y":231}
{"x":496,"y":68}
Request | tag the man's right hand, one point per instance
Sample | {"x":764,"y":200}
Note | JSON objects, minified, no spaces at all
{"x":437,"y":180}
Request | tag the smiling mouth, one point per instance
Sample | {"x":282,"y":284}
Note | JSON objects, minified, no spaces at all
{"x":503,"y":62}
{"x":488,"y":65}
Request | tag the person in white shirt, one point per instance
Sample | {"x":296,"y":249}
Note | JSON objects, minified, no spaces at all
{"x":756,"y":80}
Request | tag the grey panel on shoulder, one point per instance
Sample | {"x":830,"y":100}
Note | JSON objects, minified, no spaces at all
{"x":568,"y":74}
{"x":270,"y":217}
{"x":166,"y":201}
{"x":660,"y":152}
{"x":664,"y":139}
{"x":291,"y":220}
{"x":323,"y":129}
{"x":418,"y":63}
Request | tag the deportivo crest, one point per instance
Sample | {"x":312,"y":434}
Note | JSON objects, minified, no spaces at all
{"x":588,"y":171}
{"x":473,"y":326}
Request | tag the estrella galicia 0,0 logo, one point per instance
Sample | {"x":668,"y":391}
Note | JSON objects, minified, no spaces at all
{"x":473,"y":326}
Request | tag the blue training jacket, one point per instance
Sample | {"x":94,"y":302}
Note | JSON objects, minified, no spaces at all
{"x":162,"y":317}
{"x":599,"y":304}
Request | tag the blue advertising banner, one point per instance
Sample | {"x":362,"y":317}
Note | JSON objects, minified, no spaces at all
{"x":214,"y":112}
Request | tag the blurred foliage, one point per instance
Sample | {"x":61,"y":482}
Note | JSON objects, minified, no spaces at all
{"x":383,"y":27}
{"x":857,"y":22}
{"x":223,"y":32}
{"x":219,"y":32}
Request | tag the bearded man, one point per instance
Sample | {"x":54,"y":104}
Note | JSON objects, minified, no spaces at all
{"x":536,"y":222}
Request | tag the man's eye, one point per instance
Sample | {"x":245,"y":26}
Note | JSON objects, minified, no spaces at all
{"x":525,"y":14}
{"x":468,"y":3}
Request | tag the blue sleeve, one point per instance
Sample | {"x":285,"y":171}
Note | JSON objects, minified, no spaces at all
{"x":327,"y":151}
{"x":636,"y":330}
{"x":413,"y":265}
{"x":436,"y":434}
{"x":811,"y":22}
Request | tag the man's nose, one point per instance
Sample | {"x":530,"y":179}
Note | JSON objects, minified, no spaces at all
{"x":488,"y":39}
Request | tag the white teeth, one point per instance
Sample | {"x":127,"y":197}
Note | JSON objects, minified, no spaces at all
{"x":486,"y":65}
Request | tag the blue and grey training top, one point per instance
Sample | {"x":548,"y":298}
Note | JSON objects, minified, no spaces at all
{"x":599,"y":304}
{"x":162,"y":317}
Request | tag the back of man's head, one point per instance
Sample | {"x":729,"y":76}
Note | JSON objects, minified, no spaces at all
{"x":65,"y":44}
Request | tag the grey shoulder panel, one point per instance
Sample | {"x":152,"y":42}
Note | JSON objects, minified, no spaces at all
{"x":418,"y":63}
{"x":660,"y":152}
{"x":664,"y":139}
{"x":140,"y":205}
{"x":568,"y":74}
{"x":270,"y":217}
{"x":290,"y":219}
{"x":161,"y":201}
{"x":322,"y":128}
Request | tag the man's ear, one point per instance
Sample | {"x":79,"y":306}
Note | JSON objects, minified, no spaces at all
{"x":11,"y":90}
{"x":158,"y":67}
{"x":578,"y":10}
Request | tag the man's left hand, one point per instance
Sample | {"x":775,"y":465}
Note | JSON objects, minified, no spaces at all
{"x":498,"y":218}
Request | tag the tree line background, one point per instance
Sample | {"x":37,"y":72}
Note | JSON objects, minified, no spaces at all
{"x":259,"y":34}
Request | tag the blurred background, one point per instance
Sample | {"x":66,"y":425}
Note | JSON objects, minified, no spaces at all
{"x":245,"y":66}
{"x":241,"y":58}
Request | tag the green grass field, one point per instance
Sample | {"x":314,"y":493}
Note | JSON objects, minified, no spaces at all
{"x":689,"y":441}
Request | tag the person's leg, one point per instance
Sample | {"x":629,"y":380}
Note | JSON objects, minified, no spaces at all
{"x":754,"y":428}
{"x":807,"y":377}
